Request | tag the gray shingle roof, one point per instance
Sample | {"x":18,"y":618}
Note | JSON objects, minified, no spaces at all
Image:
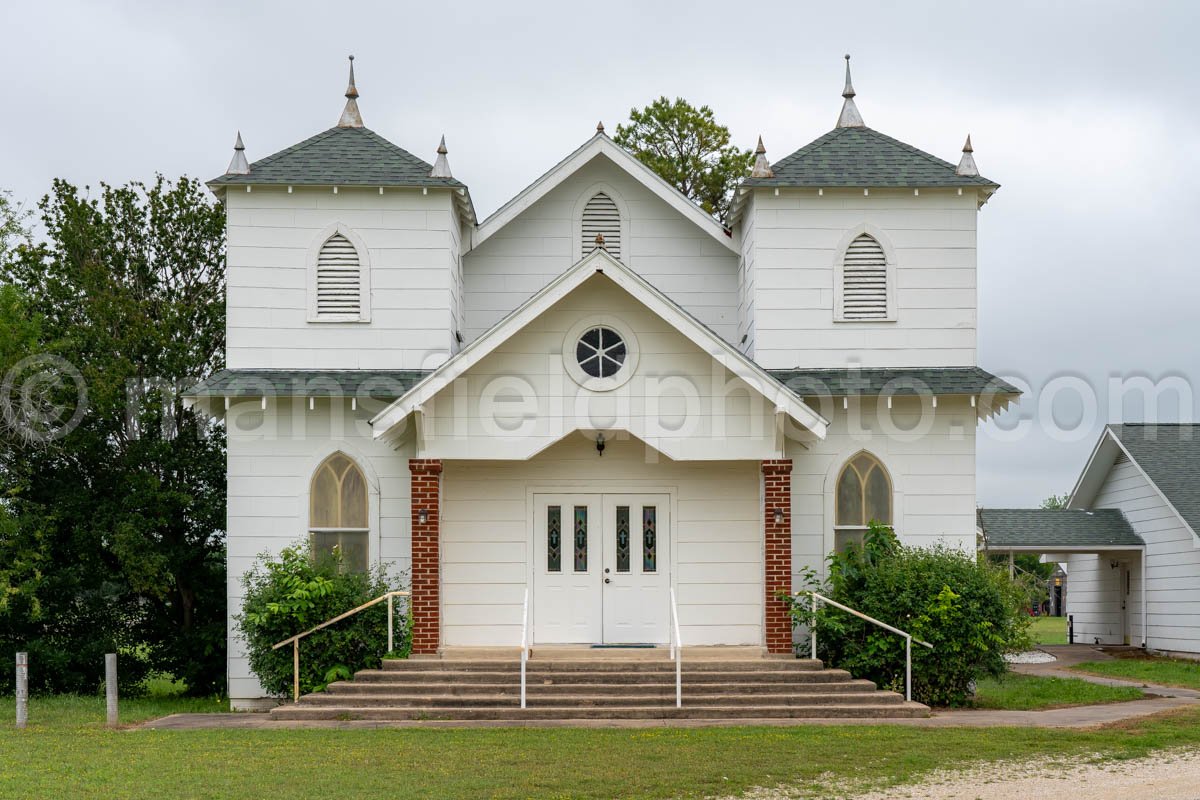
{"x":867,"y":158}
{"x":382,"y":384}
{"x":892,"y":382}
{"x":1056,"y":527}
{"x":340,"y":157}
{"x":1170,"y":456}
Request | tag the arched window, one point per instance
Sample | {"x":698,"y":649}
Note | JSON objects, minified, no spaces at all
{"x":601,"y":217}
{"x":339,"y":288}
{"x":864,"y":281}
{"x":864,"y":495}
{"x":337,"y":512}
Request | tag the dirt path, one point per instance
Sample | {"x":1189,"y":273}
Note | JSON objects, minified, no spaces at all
{"x":1172,"y":775}
{"x":1169,"y":775}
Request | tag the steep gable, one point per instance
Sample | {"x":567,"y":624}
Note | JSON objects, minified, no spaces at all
{"x":1170,"y":457}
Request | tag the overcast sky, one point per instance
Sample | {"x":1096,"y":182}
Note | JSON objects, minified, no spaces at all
{"x":1086,"y":113}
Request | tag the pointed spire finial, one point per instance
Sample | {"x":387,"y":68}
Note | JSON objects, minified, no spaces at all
{"x":239,"y":165}
{"x":350,"y":116}
{"x":762,"y":167}
{"x":966,"y":166}
{"x":441,"y":167}
{"x":849,"y":118}
{"x":600,"y":127}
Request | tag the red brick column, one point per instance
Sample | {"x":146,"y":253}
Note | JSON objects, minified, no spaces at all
{"x":777,"y":536}
{"x":426,"y":560}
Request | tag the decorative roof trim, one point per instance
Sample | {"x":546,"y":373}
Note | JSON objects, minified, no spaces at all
{"x":600,"y":262}
{"x":599,"y":144}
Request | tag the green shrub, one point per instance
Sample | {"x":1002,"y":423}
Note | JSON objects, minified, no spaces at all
{"x":292,"y":593}
{"x":969,"y":610}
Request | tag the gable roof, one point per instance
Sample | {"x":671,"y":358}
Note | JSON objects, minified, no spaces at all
{"x":1170,"y":457}
{"x":340,"y":157}
{"x":1051,"y":528}
{"x":1167,"y":455}
{"x":600,"y":145}
{"x":863,"y":157}
{"x":600,"y":262}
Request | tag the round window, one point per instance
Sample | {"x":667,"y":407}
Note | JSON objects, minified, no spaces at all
{"x":600,"y":352}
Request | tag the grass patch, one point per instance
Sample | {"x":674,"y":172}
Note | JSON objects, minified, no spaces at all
{"x":78,"y":712}
{"x":1147,"y":669}
{"x":1017,"y":692}
{"x":67,"y":754}
{"x":1048,"y":630}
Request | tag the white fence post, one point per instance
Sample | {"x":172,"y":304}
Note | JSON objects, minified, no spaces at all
{"x":110,"y":688}
{"x":22,"y":689}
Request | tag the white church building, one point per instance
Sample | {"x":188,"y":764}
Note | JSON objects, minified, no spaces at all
{"x":598,"y":394}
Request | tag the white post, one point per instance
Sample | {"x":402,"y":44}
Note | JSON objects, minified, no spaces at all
{"x":110,"y":688}
{"x":813,"y":626}
{"x":22,"y":689}
{"x":1145,"y":631}
{"x":908,"y":668}
{"x":391,"y":647}
{"x":1012,"y":565}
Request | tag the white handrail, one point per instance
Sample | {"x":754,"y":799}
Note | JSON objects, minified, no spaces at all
{"x":676,"y":651}
{"x":524,"y":642}
{"x":908,"y":639}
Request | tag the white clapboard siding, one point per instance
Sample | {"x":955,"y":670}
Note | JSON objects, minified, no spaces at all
{"x":339,"y":278}
{"x":864,"y":280}
{"x":601,"y":217}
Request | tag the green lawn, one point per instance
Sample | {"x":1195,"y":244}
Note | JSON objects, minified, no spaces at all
{"x":1017,"y":692}
{"x":67,"y":754}
{"x":1048,"y":630}
{"x":1147,"y":669}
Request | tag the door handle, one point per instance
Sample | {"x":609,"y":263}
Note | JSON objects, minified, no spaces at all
{"x":608,"y":580}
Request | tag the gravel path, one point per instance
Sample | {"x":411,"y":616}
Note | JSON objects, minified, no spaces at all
{"x":1169,"y":775}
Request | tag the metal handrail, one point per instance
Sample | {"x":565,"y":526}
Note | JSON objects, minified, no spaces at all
{"x":294,"y":641}
{"x":524,"y":642}
{"x":908,"y":639}
{"x":676,"y":651}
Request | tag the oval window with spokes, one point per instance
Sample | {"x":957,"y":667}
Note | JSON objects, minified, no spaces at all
{"x":601,"y":352}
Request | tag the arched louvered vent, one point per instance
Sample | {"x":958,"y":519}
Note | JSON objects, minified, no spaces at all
{"x":601,"y":217}
{"x":339,"y":278}
{"x":864,"y":280}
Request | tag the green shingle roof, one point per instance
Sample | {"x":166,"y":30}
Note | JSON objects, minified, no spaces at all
{"x":1170,"y":457}
{"x":866,"y":158}
{"x":892,"y":382}
{"x":340,"y":157}
{"x":384,"y":384}
{"x":1100,"y":528}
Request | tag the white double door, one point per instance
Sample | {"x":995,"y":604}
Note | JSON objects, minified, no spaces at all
{"x":601,"y":572}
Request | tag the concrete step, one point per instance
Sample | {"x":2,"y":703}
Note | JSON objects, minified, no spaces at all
{"x":607,"y":676}
{"x":597,"y":665}
{"x":385,"y":713}
{"x":620,"y":689}
{"x":663,"y":700}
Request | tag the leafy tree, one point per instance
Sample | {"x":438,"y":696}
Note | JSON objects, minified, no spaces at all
{"x":1056,"y":501}
{"x":112,"y":534}
{"x":13,"y":227}
{"x":687,"y":148}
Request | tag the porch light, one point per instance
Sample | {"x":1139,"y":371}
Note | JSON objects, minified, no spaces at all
{"x":778,"y":516}
{"x":600,"y":444}
{"x":422,"y":516}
